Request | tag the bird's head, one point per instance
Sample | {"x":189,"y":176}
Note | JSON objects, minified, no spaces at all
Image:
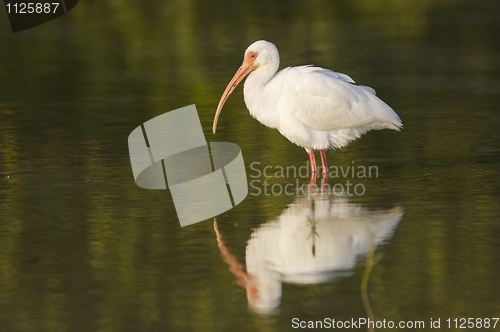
{"x":259,"y":54}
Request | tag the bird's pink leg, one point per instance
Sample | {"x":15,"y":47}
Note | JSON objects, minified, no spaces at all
{"x":314,"y":169}
{"x":326,"y":172}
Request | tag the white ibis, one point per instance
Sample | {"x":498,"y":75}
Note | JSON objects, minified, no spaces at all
{"x":313,"y":107}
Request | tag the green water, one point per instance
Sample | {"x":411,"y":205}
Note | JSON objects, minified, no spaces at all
{"x":82,"y":248}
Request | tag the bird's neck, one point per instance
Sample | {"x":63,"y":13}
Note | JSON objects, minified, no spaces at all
{"x":258,"y":97}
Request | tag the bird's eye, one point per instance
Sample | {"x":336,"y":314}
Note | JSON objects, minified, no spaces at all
{"x":253,"y":55}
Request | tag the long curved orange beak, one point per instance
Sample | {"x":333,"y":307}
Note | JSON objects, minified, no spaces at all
{"x":243,"y":71}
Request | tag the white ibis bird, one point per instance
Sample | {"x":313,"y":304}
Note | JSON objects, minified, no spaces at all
{"x":313,"y":107}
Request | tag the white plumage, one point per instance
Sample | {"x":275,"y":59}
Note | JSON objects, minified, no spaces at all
{"x":313,"y":107}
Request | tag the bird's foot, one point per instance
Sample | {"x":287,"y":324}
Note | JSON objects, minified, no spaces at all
{"x":313,"y":190}
{"x":314,"y":175}
{"x":324,"y":183}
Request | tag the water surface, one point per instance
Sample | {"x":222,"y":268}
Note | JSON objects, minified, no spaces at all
{"x":82,"y":248}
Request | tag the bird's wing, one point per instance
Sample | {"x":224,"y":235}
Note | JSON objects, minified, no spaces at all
{"x":325,"y":100}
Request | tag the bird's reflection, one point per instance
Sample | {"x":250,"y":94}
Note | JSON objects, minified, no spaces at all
{"x":314,"y":240}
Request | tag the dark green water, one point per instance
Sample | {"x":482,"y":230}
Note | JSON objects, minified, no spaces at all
{"x":82,"y":248}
